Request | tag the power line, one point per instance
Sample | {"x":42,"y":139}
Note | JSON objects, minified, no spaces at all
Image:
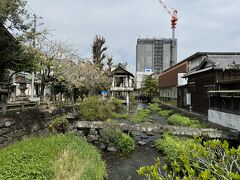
{"x":34,"y":12}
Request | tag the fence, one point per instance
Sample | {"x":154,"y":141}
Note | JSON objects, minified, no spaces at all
{"x":4,"y":108}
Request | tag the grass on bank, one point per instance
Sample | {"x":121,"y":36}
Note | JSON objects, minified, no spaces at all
{"x":154,"y":107}
{"x":120,"y":116}
{"x":172,"y":102}
{"x":173,"y":146}
{"x":181,"y":120}
{"x":166,"y":113}
{"x":140,"y":116}
{"x":55,"y":157}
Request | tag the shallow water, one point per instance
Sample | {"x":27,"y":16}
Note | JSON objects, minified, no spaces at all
{"x":121,"y":166}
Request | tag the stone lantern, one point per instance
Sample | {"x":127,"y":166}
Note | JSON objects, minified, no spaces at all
{"x":22,"y":87}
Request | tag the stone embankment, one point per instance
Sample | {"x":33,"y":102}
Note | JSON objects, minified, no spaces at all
{"x":22,"y":125}
{"x":159,"y":128}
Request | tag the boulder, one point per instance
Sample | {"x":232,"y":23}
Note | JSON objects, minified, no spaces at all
{"x":111,"y":149}
{"x":92,"y":137}
{"x":102,"y":146}
{"x":129,"y":177}
{"x":8,"y":124}
{"x":142,"y":143}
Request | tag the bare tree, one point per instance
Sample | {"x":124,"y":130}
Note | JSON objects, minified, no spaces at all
{"x":84,"y":74}
{"x":109,"y":64}
{"x":98,"y":50}
{"x":52,"y":54}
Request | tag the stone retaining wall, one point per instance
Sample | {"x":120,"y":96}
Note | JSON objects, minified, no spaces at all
{"x":22,"y":125}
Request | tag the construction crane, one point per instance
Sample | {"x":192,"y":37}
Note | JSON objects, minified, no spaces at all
{"x":173,"y":14}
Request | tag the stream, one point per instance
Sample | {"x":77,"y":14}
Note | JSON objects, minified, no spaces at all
{"x":123,"y":166}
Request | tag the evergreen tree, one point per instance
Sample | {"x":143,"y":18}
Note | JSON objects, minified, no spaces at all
{"x":149,"y":88}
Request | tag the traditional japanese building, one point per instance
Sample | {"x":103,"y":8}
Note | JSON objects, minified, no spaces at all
{"x":214,"y":88}
{"x":122,"y":84}
{"x":172,"y":85}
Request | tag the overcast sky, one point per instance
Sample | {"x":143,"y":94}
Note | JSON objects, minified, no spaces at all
{"x":204,"y":25}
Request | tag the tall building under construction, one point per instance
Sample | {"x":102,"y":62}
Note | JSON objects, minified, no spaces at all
{"x":155,"y":54}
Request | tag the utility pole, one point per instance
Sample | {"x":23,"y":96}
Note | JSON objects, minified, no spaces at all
{"x":34,"y":45}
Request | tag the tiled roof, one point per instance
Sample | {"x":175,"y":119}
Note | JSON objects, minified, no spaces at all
{"x":217,"y":61}
{"x":225,"y":61}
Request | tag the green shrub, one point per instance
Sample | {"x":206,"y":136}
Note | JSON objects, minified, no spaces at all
{"x":133,"y":101}
{"x":114,"y":136}
{"x":95,"y":109}
{"x":111,"y":135}
{"x":89,"y":109}
{"x":55,"y":157}
{"x":120,"y":116}
{"x":156,"y":100}
{"x":173,"y":146}
{"x":126,"y":143}
{"x":116,"y":104}
{"x":154,"y":107}
{"x":59,"y":124}
{"x":111,"y":121}
{"x":140,"y":116}
{"x":165,"y":113}
{"x":213,"y":159}
{"x":178,"y":119}
{"x":105,"y":110}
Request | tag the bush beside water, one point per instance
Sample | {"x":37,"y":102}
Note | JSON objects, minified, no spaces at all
{"x":114,"y":136}
{"x":96,"y":109}
{"x":154,"y":107}
{"x":173,"y":146}
{"x":59,"y":124}
{"x":166,"y":113}
{"x":178,"y":119}
{"x":120,"y":116}
{"x":55,"y":157}
{"x":194,"y":159}
{"x":140,"y":116}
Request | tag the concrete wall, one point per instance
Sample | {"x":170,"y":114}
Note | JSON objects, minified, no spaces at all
{"x":224,"y":119}
{"x":170,"y":92}
{"x":174,"y":51}
{"x":166,"y":56}
{"x":155,"y":54}
{"x":144,"y":56}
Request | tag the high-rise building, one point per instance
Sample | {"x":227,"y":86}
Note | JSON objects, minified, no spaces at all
{"x":155,"y":54}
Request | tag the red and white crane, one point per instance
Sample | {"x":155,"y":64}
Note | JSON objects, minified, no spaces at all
{"x":173,"y":14}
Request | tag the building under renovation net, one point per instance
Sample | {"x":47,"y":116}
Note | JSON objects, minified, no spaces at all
{"x":155,"y":54}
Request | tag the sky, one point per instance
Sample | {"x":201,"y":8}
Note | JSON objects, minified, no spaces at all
{"x":204,"y":25}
